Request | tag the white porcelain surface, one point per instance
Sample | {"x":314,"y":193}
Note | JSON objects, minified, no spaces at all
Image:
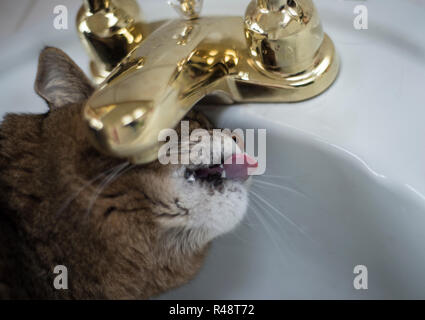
{"x":355,"y":155}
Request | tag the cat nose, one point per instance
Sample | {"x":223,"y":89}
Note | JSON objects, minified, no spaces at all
{"x":240,"y":166}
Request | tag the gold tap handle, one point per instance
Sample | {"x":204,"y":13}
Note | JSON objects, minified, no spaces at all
{"x":283,"y":36}
{"x":109,"y":30}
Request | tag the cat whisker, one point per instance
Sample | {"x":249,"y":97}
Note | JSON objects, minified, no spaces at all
{"x":286,"y":178}
{"x":264,"y":209}
{"x":280,"y":186}
{"x":239,"y":237}
{"x":281,"y":214}
{"x":247,"y":222}
{"x":266,"y":184}
{"x":109,"y":179}
{"x":269,"y":229}
{"x":277,"y":176}
{"x":85,"y":186}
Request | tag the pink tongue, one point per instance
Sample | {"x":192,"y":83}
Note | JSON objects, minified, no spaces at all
{"x":237,"y":166}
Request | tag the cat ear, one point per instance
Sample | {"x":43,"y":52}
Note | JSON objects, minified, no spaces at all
{"x":59,"y":80}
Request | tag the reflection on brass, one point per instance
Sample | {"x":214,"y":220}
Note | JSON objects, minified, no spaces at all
{"x":278,"y":53}
{"x":188,"y":9}
{"x":109,"y":30}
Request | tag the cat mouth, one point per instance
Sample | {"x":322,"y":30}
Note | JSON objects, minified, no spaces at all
{"x":237,"y":167}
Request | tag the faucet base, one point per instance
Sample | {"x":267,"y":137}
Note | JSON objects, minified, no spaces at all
{"x":267,"y":86}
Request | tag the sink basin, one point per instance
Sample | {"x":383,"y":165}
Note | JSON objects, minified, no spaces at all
{"x":345,"y":179}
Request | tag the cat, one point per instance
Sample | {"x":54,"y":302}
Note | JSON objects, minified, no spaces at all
{"x":123,"y":231}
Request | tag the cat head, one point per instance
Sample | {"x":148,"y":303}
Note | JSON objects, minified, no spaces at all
{"x":188,"y":204}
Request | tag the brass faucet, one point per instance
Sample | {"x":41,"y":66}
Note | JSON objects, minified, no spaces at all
{"x":155,"y":73}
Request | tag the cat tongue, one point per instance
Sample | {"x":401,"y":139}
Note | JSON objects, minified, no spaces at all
{"x":237,"y":166}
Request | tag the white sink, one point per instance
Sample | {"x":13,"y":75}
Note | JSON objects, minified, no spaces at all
{"x":349,"y":164}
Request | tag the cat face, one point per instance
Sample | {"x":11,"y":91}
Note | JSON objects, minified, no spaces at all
{"x":189,"y":204}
